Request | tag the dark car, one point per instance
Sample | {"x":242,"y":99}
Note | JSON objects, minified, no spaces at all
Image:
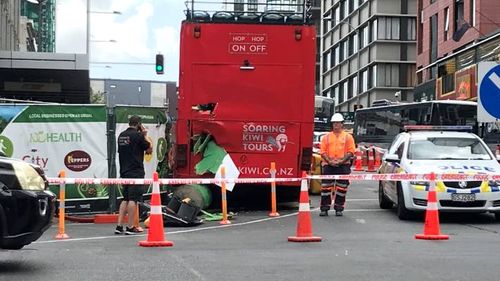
{"x":26,"y":205}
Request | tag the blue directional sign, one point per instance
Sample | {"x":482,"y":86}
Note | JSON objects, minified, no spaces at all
{"x":489,"y":92}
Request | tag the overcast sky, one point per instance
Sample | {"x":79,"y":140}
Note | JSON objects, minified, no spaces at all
{"x":144,"y":28}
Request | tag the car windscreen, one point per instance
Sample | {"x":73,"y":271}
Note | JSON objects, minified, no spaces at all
{"x":443,"y":148}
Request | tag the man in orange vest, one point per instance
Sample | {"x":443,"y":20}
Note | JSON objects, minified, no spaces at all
{"x":337,"y":150}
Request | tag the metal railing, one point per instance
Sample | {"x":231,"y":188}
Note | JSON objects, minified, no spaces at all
{"x":277,"y":11}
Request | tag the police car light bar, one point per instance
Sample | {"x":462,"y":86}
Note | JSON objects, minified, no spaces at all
{"x":464,"y":128}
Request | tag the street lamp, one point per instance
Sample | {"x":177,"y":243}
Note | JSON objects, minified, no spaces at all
{"x":356,"y":32}
{"x":88,"y":24}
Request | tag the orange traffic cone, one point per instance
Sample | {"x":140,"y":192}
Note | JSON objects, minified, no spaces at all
{"x":431,"y":226}
{"x":358,"y":163}
{"x":304,"y":226}
{"x":156,"y":237}
{"x":370,"y":167}
{"x":378,"y":155}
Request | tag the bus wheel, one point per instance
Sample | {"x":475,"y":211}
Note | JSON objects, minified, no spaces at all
{"x":200,"y":195}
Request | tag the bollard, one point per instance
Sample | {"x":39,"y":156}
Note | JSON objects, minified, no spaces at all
{"x":378,"y":156}
{"x":370,"y":167}
{"x":273,"y":212}
{"x":224,"y":196}
{"x":358,"y":164}
{"x":62,"y":197}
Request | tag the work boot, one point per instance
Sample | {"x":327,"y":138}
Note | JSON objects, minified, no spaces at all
{"x":323,"y":213}
{"x":339,"y":213}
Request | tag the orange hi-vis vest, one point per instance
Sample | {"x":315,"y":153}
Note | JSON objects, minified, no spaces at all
{"x":337,"y":146}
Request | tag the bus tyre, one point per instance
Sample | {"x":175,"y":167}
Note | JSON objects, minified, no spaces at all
{"x":401,"y":211}
{"x":200,"y":195}
{"x":383,"y":201}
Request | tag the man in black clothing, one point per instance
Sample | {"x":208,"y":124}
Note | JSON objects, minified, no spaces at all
{"x":132,"y":144}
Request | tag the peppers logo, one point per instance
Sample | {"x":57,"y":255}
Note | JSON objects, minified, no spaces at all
{"x":77,"y":160}
{"x":6,"y":146}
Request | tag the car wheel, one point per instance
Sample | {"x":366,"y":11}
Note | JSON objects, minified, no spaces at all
{"x":13,"y":246}
{"x":497,"y":216}
{"x":383,"y":201}
{"x":402,"y":212}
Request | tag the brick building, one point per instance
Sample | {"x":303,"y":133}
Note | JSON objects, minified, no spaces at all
{"x":452,"y":37}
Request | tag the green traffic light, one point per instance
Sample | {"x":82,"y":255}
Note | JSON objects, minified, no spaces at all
{"x":159,"y":68}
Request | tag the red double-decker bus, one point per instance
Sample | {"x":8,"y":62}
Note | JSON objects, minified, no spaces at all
{"x":247,"y":81}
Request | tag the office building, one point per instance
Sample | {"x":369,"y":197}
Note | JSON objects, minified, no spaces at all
{"x":368,"y":51}
{"x":453,"y":36}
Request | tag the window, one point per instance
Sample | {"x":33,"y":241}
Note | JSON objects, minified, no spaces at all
{"x":374,"y":30}
{"x":340,"y":95}
{"x":388,"y":28}
{"x":355,"y":42}
{"x":327,"y":24}
{"x":373,"y":77}
{"x":459,"y":13}
{"x":488,"y":51}
{"x":410,"y":76}
{"x":446,"y":23}
{"x":364,"y":81}
{"x":472,"y":12}
{"x":355,"y":85}
{"x":349,"y":88}
{"x":345,"y":91}
{"x":364,"y":37}
{"x":412,"y":29}
{"x":343,"y":50}
{"x":239,"y":6}
{"x":342,"y":13}
{"x":336,"y":13}
{"x":351,"y":45}
{"x":328,"y":61}
{"x":466,"y":59}
{"x":433,"y":39}
{"x":388,"y":75}
{"x":252,"y":5}
{"x":332,"y":58}
{"x":345,"y":8}
{"x":337,"y":54}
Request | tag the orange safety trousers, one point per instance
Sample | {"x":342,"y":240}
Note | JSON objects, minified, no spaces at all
{"x":337,"y":187}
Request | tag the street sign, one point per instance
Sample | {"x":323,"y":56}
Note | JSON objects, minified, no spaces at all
{"x":488,"y":109}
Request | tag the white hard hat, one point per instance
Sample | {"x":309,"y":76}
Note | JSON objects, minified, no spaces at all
{"x":337,"y":117}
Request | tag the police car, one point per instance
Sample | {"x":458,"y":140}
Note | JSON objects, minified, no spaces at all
{"x":26,"y":205}
{"x":440,"y":149}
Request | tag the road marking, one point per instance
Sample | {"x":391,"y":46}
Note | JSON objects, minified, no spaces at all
{"x":196,"y":229}
{"x":362,"y":221}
